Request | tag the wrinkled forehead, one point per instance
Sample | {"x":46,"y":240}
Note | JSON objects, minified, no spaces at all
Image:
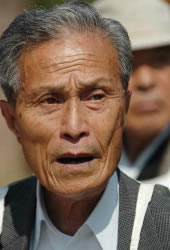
{"x":84,"y":52}
{"x":96,"y":42}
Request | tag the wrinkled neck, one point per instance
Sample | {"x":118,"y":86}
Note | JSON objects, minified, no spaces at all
{"x":68,"y":214}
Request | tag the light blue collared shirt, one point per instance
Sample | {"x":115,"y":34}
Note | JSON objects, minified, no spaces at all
{"x":100,"y":231}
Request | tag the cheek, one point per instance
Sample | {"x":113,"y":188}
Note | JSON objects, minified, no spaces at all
{"x":35,"y":130}
{"x":108,"y":125}
{"x":35,"y":135}
{"x":113,"y":143}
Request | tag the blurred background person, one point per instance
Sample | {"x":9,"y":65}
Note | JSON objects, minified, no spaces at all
{"x":13,"y":166}
{"x":146,"y":149}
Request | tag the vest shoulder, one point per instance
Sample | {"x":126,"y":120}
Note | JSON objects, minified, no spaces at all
{"x":161,"y":198}
{"x":23,"y":188}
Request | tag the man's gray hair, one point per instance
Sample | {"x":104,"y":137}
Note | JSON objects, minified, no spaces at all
{"x":36,"y":26}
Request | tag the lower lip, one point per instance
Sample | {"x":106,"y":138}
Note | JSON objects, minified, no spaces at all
{"x":75,"y":166}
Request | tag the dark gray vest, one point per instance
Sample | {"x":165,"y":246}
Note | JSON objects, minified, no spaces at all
{"x":19,"y":216}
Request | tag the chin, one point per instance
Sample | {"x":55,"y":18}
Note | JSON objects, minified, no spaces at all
{"x":77,"y":190}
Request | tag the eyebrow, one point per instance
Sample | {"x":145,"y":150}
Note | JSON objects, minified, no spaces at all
{"x":96,"y":83}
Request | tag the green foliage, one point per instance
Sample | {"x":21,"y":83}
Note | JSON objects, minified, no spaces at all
{"x":49,"y":3}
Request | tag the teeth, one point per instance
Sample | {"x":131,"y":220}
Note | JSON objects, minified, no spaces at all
{"x":71,"y":160}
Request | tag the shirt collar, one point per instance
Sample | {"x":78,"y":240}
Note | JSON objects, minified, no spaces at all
{"x":103,"y":221}
{"x":40,"y":216}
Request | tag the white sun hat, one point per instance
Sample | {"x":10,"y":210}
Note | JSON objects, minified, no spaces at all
{"x":147,"y":21}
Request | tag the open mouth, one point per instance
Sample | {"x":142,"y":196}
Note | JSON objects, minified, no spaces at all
{"x":75,"y":160}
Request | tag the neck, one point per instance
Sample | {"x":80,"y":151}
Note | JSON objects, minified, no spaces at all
{"x":135,"y":143}
{"x":69,"y":214}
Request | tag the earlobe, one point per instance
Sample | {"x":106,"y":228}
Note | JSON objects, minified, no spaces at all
{"x":127,"y":94}
{"x":8,"y":113}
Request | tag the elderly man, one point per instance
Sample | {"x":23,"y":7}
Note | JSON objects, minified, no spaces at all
{"x":65,"y":73}
{"x":146,"y":142}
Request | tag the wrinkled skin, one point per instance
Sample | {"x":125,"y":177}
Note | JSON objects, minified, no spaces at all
{"x":69,"y":119}
{"x":71,"y":105}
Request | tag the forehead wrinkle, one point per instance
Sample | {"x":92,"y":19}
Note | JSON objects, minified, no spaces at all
{"x":79,"y":84}
{"x":61,"y":63}
{"x":92,"y":83}
{"x":95,"y":83}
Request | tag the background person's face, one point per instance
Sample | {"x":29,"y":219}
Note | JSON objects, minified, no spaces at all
{"x":149,"y":110}
{"x":70,"y":112}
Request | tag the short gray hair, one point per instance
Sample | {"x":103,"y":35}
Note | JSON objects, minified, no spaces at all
{"x":36,"y":26}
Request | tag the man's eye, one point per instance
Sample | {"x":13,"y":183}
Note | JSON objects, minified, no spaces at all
{"x":96,"y":97}
{"x":51,"y":100}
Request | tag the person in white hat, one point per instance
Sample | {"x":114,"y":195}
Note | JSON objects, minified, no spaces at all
{"x":146,"y":153}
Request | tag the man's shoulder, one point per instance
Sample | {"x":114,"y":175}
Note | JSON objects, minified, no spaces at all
{"x":19,"y":214}
{"x":156,"y":227}
{"x":161,"y":197}
{"x":23,"y":188}
{"x":127,"y":183}
{"x":161,"y":194}
{"x":160,"y":203}
{"x":23,"y":182}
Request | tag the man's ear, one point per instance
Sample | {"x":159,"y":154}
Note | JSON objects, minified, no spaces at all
{"x":127,"y":94}
{"x":8,"y":112}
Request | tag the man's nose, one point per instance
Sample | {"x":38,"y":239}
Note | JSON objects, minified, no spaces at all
{"x":74,"y":123}
{"x":143,"y":78}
